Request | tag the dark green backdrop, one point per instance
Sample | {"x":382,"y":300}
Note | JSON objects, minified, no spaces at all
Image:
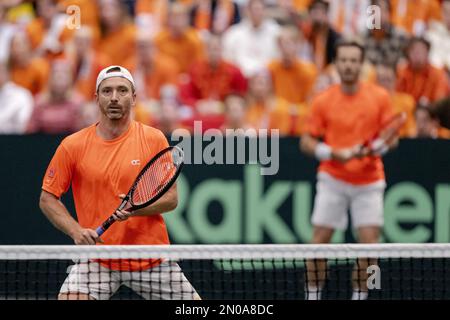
{"x":235,"y":204}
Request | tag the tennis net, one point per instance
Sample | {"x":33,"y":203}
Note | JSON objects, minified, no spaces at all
{"x":285,"y":272}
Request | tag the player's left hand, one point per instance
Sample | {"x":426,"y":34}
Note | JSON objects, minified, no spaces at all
{"x":122,"y":215}
{"x":360,"y":151}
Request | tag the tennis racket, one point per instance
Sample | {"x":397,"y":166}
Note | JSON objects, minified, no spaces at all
{"x":158,"y":175}
{"x":389,"y":131}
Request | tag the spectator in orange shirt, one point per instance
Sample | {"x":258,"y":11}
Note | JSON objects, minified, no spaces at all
{"x":151,"y":69}
{"x":26,"y":71}
{"x":320,"y":34}
{"x":151,"y":15}
{"x":265,"y":110}
{"x":401,"y":102}
{"x":58,"y":109}
{"x":341,"y":119}
{"x":214,"y":16}
{"x":419,"y":78}
{"x":293,"y":79}
{"x":212,"y":79}
{"x":48,"y":32}
{"x":118,"y":33}
{"x":86,"y":61}
{"x":415,"y":16}
{"x":180,"y":41}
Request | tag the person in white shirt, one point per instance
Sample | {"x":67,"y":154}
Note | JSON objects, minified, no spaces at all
{"x":349,"y":17}
{"x":439,"y":37}
{"x":16,"y":105}
{"x":6,"y":33}
{"x":252,"y":43}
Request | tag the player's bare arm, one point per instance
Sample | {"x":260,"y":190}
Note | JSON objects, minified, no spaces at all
{"x":166,"y":203}
{"x":60,"y":217}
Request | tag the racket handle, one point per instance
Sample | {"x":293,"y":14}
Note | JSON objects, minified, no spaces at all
{"x":100,"y":230}
{"x":105,"y":225}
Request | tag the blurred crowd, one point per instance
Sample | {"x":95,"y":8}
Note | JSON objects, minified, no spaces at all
{"x":231,"y":64}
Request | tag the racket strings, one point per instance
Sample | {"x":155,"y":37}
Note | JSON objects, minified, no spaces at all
{"x":392,"y":128}
{"x":154,"y":179}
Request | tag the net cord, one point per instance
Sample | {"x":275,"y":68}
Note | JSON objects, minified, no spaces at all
{"x":211,"y":252}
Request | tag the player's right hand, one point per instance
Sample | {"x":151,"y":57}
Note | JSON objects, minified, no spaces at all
{"x":346,"y":154}
{"x":343,"y":155}
{"x":86,"y":237}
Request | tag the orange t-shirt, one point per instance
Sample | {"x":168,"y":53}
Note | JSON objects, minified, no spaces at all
{"x":345,"y":120}
{"x":413,"y":16}
{"x":99,"y":170}
{"x":274,"y":115}
{"x":119,"y":45}
{"x":430,"y":83}
{"x":164,"y":71}
{"x":402,"y":102}
{"x":294,"y":83}
{"x":185,"y":50}
{"x":33,"y":77}
{"x":88,"y":9}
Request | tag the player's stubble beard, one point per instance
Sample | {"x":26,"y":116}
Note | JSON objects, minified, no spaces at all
{"x":115,"y":111}
{"x":349,"y":76}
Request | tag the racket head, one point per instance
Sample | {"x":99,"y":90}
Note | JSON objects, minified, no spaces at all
{"x":392,"y":127}
{"x":158,"y":175}
{"x":389,"y":129}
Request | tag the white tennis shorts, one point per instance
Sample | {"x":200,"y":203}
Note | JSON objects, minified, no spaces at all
{"x":334,"y":198}
{"x":163,"y":282}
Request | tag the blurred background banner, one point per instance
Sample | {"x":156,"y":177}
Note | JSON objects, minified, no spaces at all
{"x":222,"y":203}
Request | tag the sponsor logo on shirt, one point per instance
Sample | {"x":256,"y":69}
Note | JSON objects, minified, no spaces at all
{"x":135,"y":162}
{"x":51,"y":173}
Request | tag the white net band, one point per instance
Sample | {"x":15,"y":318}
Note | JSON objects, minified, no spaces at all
{"x":208,"y":252}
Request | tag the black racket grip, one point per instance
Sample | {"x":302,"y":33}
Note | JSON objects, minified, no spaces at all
{"x":108,"y":222}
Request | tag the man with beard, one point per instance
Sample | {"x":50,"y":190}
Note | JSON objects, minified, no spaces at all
{"x":100,"y":162}
{"x":350,"y":178}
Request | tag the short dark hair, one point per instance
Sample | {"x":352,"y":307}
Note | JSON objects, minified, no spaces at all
{"x":414,"y":40}
{"x":114,"y":69}
{"x":117,"y":69}
{"x":441,"y":110}
{"x":350,"y":43}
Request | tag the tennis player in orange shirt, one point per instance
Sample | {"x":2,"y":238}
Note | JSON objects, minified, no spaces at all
{"x":101,"y":162}
{"x":350,"y":178}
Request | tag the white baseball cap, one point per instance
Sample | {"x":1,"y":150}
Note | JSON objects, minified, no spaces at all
{"x":114,"y":71}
